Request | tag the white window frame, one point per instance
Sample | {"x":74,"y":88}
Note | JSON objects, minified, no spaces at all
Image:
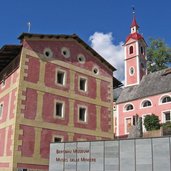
{"x":162,"y":97}
{"x":86,"y":114}
{"x":163,"y":115}
{"x":143,"y":101}
{"x":125,"y":106}
{"x":2,"y":108}
{"x":125,"y":125}
{"x":63,"y":109}
{"x":64,"y":77}
{"x":86,"y":83}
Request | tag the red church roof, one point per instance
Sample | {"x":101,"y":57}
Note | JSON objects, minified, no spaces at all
{"x":135,"y":36}
{"x":134,"y":23}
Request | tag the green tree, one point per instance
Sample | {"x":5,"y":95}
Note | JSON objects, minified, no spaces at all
{"x":151,"y":122}
{"x":158,"y":55}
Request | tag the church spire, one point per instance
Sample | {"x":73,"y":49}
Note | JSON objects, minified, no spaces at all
{"x":134,"y":25}
{"x":134,"y":22}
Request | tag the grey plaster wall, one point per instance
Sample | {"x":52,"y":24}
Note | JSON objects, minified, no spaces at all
{"x":152,"y":154}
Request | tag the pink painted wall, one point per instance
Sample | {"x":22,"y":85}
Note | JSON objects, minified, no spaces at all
{"x":30,"y":103}
{"x":32,"y":166}
{"x":47,"y":138}
{"x":131,"y":79}
{"x":48,"y":109}
{"x":75,"y":49}
{"x":131,"y":43}
{"x":157,"y":108}
{"x":50,"y":77}
{"x":105,"y":91}
{"x":4,"y":165}
{"x":9,"y":140}
{"x":91,"y":118}
{"x":77,"y":137}
{"x":13,"y":100}
{"x":6,"y":133}
{"x":28,"y":141}
{"x":91,"y":84}
{"x":33,"y":69}
{"x":2,"y":140}
{"x":4,"y":100}
{"x":105,"y":120}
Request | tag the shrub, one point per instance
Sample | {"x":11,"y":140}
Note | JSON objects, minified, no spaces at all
{"x":166,"y":125}
{"x":151,"y":122}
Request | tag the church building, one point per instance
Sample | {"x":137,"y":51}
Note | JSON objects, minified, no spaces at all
{"x":143,"y":94}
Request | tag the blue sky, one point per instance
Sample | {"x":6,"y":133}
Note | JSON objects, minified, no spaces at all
{"x":110,"y":18}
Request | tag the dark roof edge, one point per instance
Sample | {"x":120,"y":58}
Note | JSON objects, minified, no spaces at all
{"x":116,"y":83}
{"x":73,"y":36}
{"x":10,"y":45}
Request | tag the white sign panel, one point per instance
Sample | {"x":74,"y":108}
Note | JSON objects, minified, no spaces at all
{"x":119,"y":155}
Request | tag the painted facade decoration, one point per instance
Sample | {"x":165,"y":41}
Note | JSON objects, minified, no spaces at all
{"x":53,"y":88}
{"x":143,"y":93}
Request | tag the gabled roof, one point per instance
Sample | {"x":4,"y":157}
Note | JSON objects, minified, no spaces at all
{"x":73,"y":36}
{"x":152,"y":84}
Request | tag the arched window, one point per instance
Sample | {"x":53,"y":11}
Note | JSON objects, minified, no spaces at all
{"x":146,"y":103}
{"x":166,"y":99}
{"x":129,"y":107}
{"x":131,"y":50}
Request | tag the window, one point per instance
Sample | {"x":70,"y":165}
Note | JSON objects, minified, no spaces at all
{"x":131,"y":71}
{"x":65,"y":52}
{"x":131,"y":50}
{"x":3,"y":81}
{"x":129,"y":107}
{"x":83,"y":84}
{"x":57,"y":139}
{"x":61,"y":77}
{"x":146,"y":103}
{"x":142,"y":50}
{"x":59,"y":109}
{"x":128,"y":124}
{"x":82,"y":116}
{"x":48,"y":53}
{"x":81,"y":58}
{"x":1,"y":109}
{"x":167,"y":116}
{"x":95,"y":70}
{"x":166,"y":99}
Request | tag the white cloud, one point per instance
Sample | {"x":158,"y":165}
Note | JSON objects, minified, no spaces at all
{"x":114,"y":54}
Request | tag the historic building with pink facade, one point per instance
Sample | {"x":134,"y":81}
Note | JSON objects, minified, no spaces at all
{"x":143,"y":94}
{"x":53,"y":88}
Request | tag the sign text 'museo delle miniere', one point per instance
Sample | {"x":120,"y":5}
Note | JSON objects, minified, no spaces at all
{"x":66,"y":158}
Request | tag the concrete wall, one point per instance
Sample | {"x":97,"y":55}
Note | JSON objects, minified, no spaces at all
{"x":152,"y":154}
